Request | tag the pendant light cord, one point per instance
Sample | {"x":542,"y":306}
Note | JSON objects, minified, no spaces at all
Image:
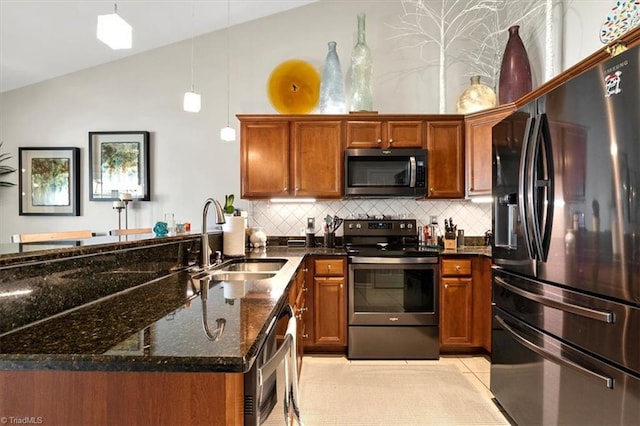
{"x":228,"y":60}
{"x":193,"y":11}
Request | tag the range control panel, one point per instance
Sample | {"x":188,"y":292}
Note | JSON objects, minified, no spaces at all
{"x":384,"y":227}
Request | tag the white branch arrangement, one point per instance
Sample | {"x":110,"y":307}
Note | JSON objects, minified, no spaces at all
{"x":473,"y":32}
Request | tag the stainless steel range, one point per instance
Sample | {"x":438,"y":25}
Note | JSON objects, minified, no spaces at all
{"x":393,"y":291}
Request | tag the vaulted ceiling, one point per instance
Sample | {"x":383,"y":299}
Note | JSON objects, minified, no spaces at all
{"x":42,"y":39}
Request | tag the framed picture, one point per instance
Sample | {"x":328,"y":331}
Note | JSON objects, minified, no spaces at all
{"x":119,"y":163}
{"x":49,"y":181}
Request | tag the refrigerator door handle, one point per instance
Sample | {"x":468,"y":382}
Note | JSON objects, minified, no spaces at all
{"x":524,"y":188}
{"x":548,"y":183}
{"x":594,"y":314}
{"x":608,"y":381}
{"x":533,"y":183}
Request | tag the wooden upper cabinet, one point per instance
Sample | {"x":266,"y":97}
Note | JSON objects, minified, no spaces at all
{"x":316,"y":153}
{"x":282,"y":157}
{"x":264,"y":159}
{"x":445,"y":158}
{"x":478,"y":134}
{"x":385,"y":134}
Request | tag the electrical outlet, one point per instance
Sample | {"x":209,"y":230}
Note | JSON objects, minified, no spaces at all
{"x":311,"y":223}
{"x":433,"y":219}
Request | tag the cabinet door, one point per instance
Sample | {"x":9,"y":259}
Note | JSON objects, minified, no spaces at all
{"x":445,"y":146}
{"x":264,"y":159}
{"x":478,"y":152}
{"x":330,"y":326}
{"x":404,"y":134}
{"x":317,"y":159}
{"x":482,"y":303}
{"x":455,"y":311}
{"x":364,"y":134}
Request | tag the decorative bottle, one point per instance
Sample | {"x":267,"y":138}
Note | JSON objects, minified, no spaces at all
{"x":515,"y":71}
{"x":361,"y":71}
{"x":332,"y":97}
{"x":476,"y":97}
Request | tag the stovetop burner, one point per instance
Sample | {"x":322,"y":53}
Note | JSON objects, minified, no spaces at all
{"x":384,"y":238}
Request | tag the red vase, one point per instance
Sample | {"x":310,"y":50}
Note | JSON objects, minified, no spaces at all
{"x":515,"y":71}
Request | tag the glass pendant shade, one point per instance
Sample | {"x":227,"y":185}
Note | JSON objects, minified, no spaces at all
{"x":192,"y":102}
{"x":228,"y":134}
{"x":114,"y":31}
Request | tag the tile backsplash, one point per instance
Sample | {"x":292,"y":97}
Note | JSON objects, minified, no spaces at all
{"x":287,"y":219}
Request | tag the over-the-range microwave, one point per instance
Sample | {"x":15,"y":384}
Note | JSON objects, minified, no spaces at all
{"x":400,"y":172}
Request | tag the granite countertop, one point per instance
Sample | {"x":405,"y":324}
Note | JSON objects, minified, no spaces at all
{"x":468,"y":251}
{"x":158,"y":326}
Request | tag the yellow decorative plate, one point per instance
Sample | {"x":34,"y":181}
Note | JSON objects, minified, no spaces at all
{"x":294,"y":87}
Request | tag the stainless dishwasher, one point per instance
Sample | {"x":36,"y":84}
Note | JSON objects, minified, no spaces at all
{"x":260,"y":382}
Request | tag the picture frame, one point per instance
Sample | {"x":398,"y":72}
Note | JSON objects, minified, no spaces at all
{"x":118,"y":164}
{"x":49,"y":181}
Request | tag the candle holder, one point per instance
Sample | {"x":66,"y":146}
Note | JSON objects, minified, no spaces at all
{"x":125,"y":199}
{"x":119,"y":205}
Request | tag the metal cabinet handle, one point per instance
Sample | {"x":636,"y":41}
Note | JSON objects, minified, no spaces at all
{"x":305,"y":336}
{"x":329,"y":267}
{"x":457,"y":267}
{"x":446,"y":286}
{"x":390,"y":141}
{"x":305,"y":289}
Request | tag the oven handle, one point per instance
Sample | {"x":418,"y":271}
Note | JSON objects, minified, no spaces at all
{"x":394,"y":260}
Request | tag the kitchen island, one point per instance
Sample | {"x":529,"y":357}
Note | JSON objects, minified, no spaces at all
{"x":138,"y":354}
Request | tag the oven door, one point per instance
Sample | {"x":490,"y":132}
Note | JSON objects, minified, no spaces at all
{"x":393,"y":291}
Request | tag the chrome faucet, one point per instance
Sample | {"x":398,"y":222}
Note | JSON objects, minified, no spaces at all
{"x":206,"y":260}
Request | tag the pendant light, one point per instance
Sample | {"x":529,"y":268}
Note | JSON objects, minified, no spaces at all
{"x":192,"y":102}
{"x":228,"y":133}
{"x":114,"y":31}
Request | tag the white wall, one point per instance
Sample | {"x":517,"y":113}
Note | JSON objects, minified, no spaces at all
{"x":188,"y":162}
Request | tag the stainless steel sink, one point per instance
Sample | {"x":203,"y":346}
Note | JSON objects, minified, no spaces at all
{"x":254,"y":265}
{"x":241,"y":276}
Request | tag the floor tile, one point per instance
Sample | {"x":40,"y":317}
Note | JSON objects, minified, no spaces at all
{"x":377,"y":362}
{"x":484,"y":378}
{"x":444,"y":360}
{"x":479,"y":385}
{"x":477,"y":363}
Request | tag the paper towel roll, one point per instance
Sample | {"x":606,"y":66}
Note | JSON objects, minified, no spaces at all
{"x":233,"y":236}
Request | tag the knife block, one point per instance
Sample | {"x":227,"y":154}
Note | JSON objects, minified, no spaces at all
{"x":450,"y":242}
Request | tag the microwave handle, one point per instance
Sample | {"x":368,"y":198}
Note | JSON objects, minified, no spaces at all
{"x":412,"y":171}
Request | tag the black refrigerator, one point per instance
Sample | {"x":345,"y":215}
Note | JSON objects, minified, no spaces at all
{"x":566,"y":252}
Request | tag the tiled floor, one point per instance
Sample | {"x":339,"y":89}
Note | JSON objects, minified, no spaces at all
{"x":475,"y":368}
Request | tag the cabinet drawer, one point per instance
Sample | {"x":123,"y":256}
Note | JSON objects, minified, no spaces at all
{"x":329,"y":267}
{"x":456,"y":266}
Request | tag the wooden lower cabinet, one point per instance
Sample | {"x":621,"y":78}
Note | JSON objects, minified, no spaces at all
{"x":465,"y":304}
{"x":101,"y":398}
{"x":328,"y":306}
{"x":456,"y":310}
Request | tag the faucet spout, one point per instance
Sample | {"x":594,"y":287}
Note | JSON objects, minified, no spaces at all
{"x":206,"y":259}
